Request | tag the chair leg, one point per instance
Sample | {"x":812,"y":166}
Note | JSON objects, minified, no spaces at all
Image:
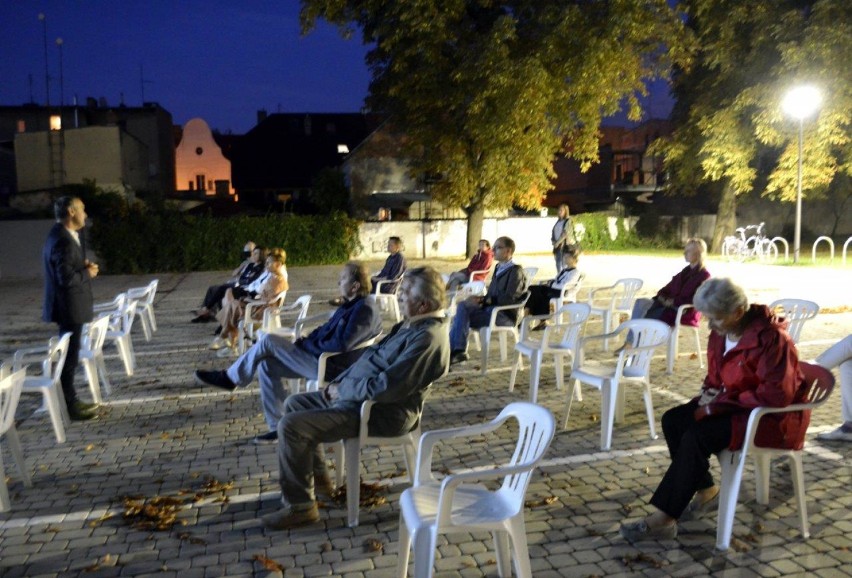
{"x":409,"y":448}
{"x":102,"y":373}
{"x":672,"y":352}
{"x":514,"y":373}
{"x":18,"y":456}
{"x":518,"y":533}
{"x":51,"y":397}
{"x":5,"y":501}
{"x":502,"y":553}
{"x":799,"y":490}
{"x":729,"y":490}
{"x":606,"y":319}
{"x":352,"y":451}
{"x":535,"y":374}
{"x":425,"y":541}
{"x":485,"y":341}
{"x":698,"y":347}
{"x":90,"y":368}
{"x":608,"y":403}
{"x":559,"y":369}
{"x":339,"y":462}
{"x":146,"y":330}
{"x":125,"y":351}
{"x":761,"y":477}
{"x":570,"y":399}
{"x":404,"y":548}
{"x":503,"y":346}
{"x":649,"y":410}
{"x":152,"y":320}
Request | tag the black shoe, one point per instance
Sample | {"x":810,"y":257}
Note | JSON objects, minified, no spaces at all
{"x":269,"y":437}
{"x":77,"y":413}
{"x":459,"y":357}
{"x":218,"y":379}
{"x":202,"y":319}
{"x":218,"y":331}
{"x":85,"y":407}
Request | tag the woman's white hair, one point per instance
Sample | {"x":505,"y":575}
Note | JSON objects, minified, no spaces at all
{"x":719,"y":296}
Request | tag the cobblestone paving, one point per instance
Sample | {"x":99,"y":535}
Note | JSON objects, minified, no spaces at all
{"x":161,"y":435}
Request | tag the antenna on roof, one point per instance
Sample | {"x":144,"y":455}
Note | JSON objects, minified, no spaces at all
{"x":142,"y":83}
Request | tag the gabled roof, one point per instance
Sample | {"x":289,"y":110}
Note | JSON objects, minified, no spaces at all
{"x":286,"y":151}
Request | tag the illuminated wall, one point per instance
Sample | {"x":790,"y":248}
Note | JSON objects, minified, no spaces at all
{"x":199,"y":163}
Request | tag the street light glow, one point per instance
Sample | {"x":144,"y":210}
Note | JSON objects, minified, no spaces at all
{"x":802,"y":101}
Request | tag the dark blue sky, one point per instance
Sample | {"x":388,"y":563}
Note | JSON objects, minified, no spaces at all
{"x":215,"y":59}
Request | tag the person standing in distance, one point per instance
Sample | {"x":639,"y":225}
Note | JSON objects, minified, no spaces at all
{"x":68,"y":291}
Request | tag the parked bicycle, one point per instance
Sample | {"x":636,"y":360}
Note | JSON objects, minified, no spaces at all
{"x":740,"y":247}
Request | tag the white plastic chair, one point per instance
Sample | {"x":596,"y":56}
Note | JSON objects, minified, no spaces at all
{"x":52,"y":360}
{"x":273,"y":322}
{"x":120,"y":326}
{"x":348,"y":458}
{"x":620,"y":299}
{"x":487,"y":272}
{"x":388,"y":301}
{"x":144,"y":297}
{"x":633,"y":366}
{"x":11,"y":384}
{"x":673,"y":340}
{"x":570,"y":321}
{"x":248,"y":324}
{"x":460,"y":503}
{"x":795,"y":312}
{"x":819,"y":382}
{"x":110,"y":306}
{"x":322,"y":363}
{"x":470,"y":289}
{"x":483,"y":337}
{"x":92,"y":356}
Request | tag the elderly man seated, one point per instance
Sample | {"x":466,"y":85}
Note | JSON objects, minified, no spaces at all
{"x":395,"y":373}
{"x":275,"y":358}
{"x":507,"y":288}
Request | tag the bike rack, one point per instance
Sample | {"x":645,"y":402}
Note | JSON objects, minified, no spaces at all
{"x":830,"y":244}
{"x":846,"y":244}
{"x":786,"y":246}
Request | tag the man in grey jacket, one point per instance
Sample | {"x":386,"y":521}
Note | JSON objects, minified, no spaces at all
{"x":395,"y":373}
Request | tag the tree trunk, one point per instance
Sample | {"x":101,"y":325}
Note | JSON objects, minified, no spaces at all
{"x":726,"y":217}
{"x":475,"y":218}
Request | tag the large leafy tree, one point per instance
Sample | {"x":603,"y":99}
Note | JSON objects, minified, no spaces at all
{"x":731,"y":126}
{"x":489,"y":91}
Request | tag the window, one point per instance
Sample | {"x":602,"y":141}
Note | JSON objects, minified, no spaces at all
{"x":343,"y":149}
{"x":22,"y":125}
{"x":55,"y":122}
{"x":200,"y":182}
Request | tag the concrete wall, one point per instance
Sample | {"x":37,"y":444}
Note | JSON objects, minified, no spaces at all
{"x":209,"y":162}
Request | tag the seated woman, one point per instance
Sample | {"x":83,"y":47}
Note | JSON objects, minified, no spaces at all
{"x":245,"y":274}
{"x":234,"y":307}
{"x":679,"y":290}
{"x":481,"y":261}
{"x":751,"y":362}
{"x":540,"y":295}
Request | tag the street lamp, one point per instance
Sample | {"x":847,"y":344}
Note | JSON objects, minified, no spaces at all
{"x":800,"y":103}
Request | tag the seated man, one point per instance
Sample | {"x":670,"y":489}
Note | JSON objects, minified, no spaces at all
{"x":395,"y":373}
{"x":275,"y":358}
{"x":481,"y":261}
{"x":507,"y":288}
{"x":394,"y":266}
{"x":249,"y":270}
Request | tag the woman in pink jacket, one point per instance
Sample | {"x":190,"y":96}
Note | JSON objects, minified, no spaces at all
{"x":751,"y":362}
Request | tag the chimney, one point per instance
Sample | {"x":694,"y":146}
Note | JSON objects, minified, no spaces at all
{"x":261,"y":115}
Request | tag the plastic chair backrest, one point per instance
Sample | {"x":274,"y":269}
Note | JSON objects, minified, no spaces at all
{"x":819,"y":382}
{"x":122,"y":320}
{"x":536,"y":427}
{"x":572,"y":317}
{"x":646,"y":334}
{"x":530,"y":273}
{"x":11,"y":384}
{"x":795,"y":312}
{"x":144,"y":294}
{"x":624,"y":292}
{"x":54,"y":360}
{"x":96,"y":332}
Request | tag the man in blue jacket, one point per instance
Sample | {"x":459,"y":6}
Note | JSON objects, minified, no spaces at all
{"x":275,"y":358}
{"x":68,"y":291}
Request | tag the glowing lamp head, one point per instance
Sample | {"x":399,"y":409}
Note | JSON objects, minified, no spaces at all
{"x":802,"y":101}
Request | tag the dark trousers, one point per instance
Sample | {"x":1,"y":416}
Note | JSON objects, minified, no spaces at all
{"x":691,"y":444}
{"x":540,"y":296}
{"x":72,"y":359}
{"x":215,"y":294}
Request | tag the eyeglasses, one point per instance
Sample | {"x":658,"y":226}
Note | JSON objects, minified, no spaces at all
{"x":499,"y":246}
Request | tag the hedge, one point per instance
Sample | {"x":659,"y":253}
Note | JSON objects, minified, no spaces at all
{"x":133,"y":240}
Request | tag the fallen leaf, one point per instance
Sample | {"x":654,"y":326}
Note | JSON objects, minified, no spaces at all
{"x":373,"y":545}
{"x":268,"y":563}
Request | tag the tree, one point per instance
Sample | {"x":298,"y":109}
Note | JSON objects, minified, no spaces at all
{"x":329,"y":193}
{"x":490,"y":91}
{"x":728,"y":114}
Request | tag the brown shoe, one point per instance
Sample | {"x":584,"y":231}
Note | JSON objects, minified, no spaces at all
{"x":287,"y":517}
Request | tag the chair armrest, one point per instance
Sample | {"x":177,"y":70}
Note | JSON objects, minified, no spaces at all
{"x":497,"y":309}
{"x":423,"y":473}
{"x":324,"y":357}
{"x":525,"y":323}
{"x":379,"y":283}
{"x":319,"y":317}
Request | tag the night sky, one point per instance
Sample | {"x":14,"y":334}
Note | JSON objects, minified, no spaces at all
{"x":221,"y":60}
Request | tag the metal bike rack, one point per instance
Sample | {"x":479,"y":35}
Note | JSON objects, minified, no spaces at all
{"x":846,"y":244}
{"x":786,"y":246}
{"x":830,"y":244}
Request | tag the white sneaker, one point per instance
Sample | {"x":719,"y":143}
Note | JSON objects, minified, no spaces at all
{"x":227,"y":351}
{"x":837,"y":435}
{"x":219,"y":343}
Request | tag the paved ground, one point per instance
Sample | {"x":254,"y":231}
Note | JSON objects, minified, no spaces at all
{"x":160,"y":435}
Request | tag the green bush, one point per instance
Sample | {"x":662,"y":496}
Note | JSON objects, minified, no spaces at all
{"x":140,"y":241}
{"x":593,"y":233}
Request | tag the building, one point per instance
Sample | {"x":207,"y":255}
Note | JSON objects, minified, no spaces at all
{"x":200,"y":165}
{"x":121,"y":148}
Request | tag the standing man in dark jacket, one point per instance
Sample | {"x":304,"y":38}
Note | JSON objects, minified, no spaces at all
{"x":68,"y":291}
{"x":507,"y":287}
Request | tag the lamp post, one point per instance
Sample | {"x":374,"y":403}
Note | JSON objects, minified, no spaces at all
{"x":800,"y":103}
{"x":61,"y":78}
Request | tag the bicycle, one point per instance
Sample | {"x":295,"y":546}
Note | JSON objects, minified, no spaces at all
{"x":739,"y":247}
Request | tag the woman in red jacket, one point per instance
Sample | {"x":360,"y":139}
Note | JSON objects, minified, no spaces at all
{"x":751,"y":362}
